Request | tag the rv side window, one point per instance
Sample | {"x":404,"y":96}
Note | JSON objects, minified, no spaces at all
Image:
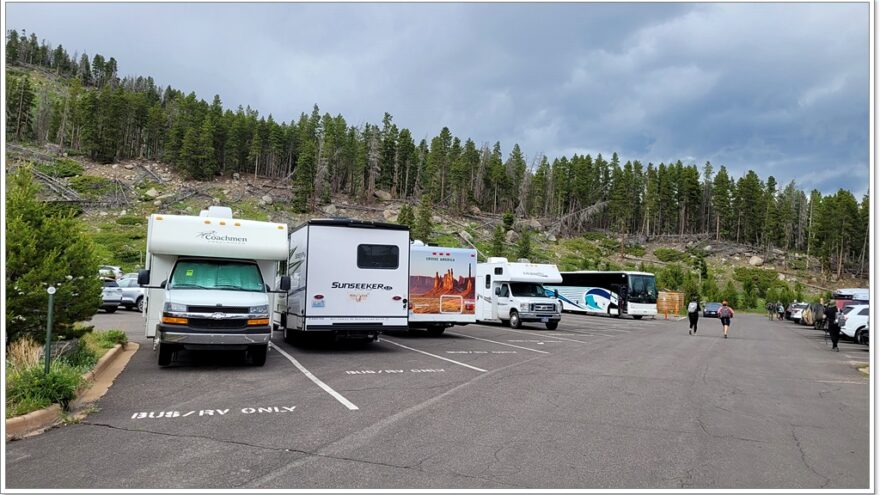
{"x":499,"y":271}
{"x":378,"y":256}
{"x":488,"y":281}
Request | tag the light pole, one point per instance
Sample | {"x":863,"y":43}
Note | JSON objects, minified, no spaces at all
{"x":51,"y":291}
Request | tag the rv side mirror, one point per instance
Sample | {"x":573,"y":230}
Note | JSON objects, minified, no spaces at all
{"x":143,"y":277}
{"x":284,"y":283}
{"x":497,"y":291}
{"x":556,"y":293}
{"x":162,"y":285}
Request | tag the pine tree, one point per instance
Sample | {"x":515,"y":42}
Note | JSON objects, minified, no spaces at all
{"x":19,"y":108}
{"x":12,"y":51}
{"x":405,"y":216}
{"x":497,"y":248}
{"x":423,"y":230}
{"x":524,"y":246}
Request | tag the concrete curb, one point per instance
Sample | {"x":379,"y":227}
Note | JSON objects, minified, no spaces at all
{"x":36,"y":421}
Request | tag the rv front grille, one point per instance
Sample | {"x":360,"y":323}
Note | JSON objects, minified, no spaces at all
{"x":210,"y":323}
{"x":218,"y":309}
{"x":543,"y":307}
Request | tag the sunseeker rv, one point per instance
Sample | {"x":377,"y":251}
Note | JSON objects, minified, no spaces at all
{"x":210,"y":274}
{"x":348,"y":279}
{"x":441,"y":287}
{"x":513,"y":293}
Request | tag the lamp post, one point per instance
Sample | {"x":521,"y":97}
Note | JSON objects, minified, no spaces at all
{"x":51,"y":291}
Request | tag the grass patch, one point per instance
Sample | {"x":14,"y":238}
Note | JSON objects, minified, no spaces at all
{"x":63,"y":167}
{"x":131,"y":220}
{"x":91,"y":186}
{"x":670,"y":255}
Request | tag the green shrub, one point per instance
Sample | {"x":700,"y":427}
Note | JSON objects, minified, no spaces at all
{"x":131,"y":220}
{"x":75,"y":331}
{"x":670,"y":255}
{"x":635,"y":250}
{"x":33,"y":389}
{"x":82,"y":358}
{"x":63,"y":167}
{"x":757,"y":278}
{"x":594,"y":236}
{"x":91,"y":186}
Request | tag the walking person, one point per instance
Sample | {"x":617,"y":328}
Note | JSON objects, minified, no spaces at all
{"x":780,"y":310}
{"x":831,"y":313}
{"x":693,"y":315}
{"x":725,"y":314}
{"x":771,"y":309}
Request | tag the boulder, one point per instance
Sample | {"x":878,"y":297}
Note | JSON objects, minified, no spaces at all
{"x":464,"y":234}
{"x":475,"y":210}
{"x":534,"y":224}
{"x":236,"y":176}
{"x":756,"y":261}
{"x":267,"y":199}
{"x":129,"y":166}
{"x":382,"y":195}
{"x":551,"y":237}
{"x":781,"y":276}
{"x":122,"y":213}
{"x":152,"y":193}
{"x":114,"y":166}
{"x":158,"y":202}
{"x":103,"y":213}
{"x":707,"y":248}
{"x":436,"y":219}
{"x":329,"y":209}
{"x":511,"y":236}
{"x":390,"y":215}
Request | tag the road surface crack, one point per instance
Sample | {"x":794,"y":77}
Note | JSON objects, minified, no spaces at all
{"x":804,"y":459}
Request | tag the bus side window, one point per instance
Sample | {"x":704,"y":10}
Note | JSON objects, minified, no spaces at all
{"x":488,"y":281}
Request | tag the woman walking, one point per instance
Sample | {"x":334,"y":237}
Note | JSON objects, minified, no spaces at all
{"x":725,"y":313}
{"x":693,"y":315}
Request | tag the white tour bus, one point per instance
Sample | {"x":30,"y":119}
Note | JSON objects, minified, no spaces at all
{"x":209,"y":276}
{"x":608,"y":293}
{"x":513,"y":293}
{"x":442,"y":287}
{"x":348,"y":279}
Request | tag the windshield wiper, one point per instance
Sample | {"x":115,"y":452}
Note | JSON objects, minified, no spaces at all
{"x":186,"y":286}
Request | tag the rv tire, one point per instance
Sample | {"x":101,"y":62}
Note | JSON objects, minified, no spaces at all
{"x":288,"y":336}
{"x":436,"y":330}
{"x":165,"y":354}
{"x":257,"y":354}
{"x":637,"y":317}
{"x":515,"y":322}
{"x":552,"y":325}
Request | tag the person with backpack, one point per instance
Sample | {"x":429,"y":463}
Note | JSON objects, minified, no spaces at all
{"x":693,"y":315}
{"x":832,"y":316}
{"x":725,"y":314}
{"x":780,"y":310}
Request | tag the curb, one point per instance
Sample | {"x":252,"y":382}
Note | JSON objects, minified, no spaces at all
{"x":36,"y":421}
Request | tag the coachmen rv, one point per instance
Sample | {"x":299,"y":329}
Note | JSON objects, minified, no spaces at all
{"x":513,"y":293}
{"x":210,"y":274}
{"x":441,"y":287}
{"x":348,"y":279}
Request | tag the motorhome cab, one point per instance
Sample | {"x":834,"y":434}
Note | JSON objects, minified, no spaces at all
{"x":514,"y":293}
{"x":441,"y":287}
{"x":348,"y":279}
{"x":206,"y":280}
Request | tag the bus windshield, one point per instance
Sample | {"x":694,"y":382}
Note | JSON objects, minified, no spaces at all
{"x":642,"y":289}
{"x":219,"y":275}
{"x":523,"y":289}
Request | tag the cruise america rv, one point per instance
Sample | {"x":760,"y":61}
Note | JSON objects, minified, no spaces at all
{"x":513,"y":293}
{"x":441,"y":287}
{"x":209,"y":276}
{"x":348,"y":279}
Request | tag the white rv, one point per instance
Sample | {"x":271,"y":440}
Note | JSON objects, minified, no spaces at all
{"x":442,"y":287}
{"x":206,"y":278}
{"x":348,"y":279}
{"x":513,"y":293}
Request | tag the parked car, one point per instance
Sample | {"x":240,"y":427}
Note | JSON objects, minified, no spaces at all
{"x":813,"y":316}
{"x":710,"y":310}
{"x":855,"y":321}
{"x":796,"y":310}
{"x":108,"y":271}
{"x":111,"y":296}
{"x":132,"y":293}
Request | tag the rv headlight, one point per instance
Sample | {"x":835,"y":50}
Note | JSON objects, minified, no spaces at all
{"x":175,"y":307}
{"x":524,"y":306}
{"x":259,"y":309}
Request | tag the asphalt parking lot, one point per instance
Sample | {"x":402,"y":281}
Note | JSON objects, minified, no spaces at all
{"x":598,"y":403}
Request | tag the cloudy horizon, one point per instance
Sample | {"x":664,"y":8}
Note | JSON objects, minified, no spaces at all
{"x":782,"y":89}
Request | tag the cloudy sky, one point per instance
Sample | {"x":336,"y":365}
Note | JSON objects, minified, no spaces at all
{"x":779,"y":88}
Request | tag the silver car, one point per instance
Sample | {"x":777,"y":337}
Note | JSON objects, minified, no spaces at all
{"x":132,"y":294}
{"x":111,"y":296}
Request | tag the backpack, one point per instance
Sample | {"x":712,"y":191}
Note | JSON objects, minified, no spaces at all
{"x":692,"y":307}
{"x":725,"y":312}
{"x":840,"y":319}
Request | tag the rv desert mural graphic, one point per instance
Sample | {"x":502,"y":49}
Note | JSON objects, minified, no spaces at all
{"x":435,"y":292}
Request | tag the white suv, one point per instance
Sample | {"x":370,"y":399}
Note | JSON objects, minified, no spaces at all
{"x":855,"y":321}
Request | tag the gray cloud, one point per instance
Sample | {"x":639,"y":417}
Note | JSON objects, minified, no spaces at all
{"x":780,"y":88}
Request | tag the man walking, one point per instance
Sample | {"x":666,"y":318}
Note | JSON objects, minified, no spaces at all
{"x":833,"y":325}
{"x":693,"y":315}
{"x":725,"y":314}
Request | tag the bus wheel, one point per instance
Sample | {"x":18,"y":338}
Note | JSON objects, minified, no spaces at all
{"x":552,"y":325}
{"x":637,"y":317}
{"x":436,"y":330}
{"x":514,"y":320}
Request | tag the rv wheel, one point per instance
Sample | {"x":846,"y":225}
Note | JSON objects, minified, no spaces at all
{"x":257,"y":354}
{"x":637,"y":317}
{"x":288,"y":336}
{"x":436,"y":330}
{"x":514,"y":320}
{"x":552,"y":325}
{"x":166,"y":352}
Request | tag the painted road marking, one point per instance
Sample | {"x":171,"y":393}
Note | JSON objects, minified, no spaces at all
{"x":210,"y":412}
{"x":391,"y":372}
{"x":539,"y":335}
{"x":496,"y":342}
{"x":434,"y":355}
{"x":539,"y":342}
{"x":480,"y":352}
{"x":336,"y":395}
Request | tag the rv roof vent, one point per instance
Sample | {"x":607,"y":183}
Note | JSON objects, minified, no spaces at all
{"x":523,"y":260}
{"x":496,"y":260}
{"x":217,"y":212}
{"x":418,"y":243}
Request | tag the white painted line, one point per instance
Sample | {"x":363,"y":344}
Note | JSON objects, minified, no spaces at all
{"x":865,"y":381}
{"x":385,"y":339}
{"x":544,"y":335}
{"x":336,"y":395}
{"x":496,"y":342}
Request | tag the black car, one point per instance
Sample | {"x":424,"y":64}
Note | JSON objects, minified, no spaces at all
{"x":710,"y":310}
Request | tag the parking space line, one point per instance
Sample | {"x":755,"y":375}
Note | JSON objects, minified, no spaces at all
{"x":336,"y":395}
{"x":494,"y":342}
{"x":434,"y":355}
{"x":548,"y":336}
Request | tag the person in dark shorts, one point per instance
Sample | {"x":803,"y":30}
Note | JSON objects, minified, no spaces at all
{"x":725,"y":314}
{"x":833,"y":325}
{"x":693,"y":315}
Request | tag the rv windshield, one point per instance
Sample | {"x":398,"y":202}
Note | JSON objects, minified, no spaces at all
{"x":522,"y":289}
{"x":219,"y":275}
{"x":642,"y":289}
